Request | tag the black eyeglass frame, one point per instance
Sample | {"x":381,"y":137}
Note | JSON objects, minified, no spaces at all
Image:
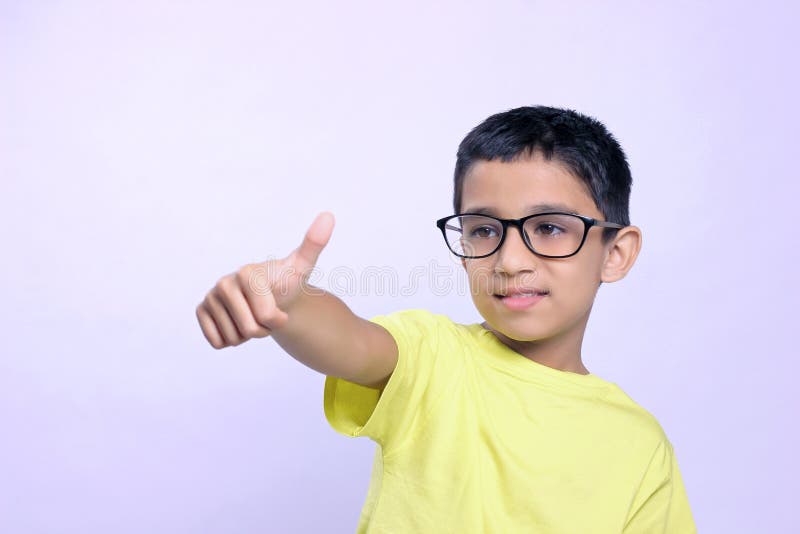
{"x":588,"y":222}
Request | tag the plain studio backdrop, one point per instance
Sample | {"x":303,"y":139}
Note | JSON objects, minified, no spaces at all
{"x":149,"y":148}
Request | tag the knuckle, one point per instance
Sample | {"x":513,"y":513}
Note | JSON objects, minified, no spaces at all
{"x":243,"y":275}
{"x":212,"y":306}
{"x":225,"y":284}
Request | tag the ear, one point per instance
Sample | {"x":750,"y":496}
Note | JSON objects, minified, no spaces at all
{"x":621,"y":253}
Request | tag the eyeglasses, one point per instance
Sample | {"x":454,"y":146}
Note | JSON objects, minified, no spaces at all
{"x":550,"y":235}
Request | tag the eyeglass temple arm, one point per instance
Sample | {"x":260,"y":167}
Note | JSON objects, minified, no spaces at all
{"x":608,"y":224}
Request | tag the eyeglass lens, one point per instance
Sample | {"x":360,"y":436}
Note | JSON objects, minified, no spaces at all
{"x":550,"y":235}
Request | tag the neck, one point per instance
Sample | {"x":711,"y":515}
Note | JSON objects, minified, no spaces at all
{"x":561,"y":352}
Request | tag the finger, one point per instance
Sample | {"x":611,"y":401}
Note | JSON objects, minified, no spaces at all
{"x":261,"y":300}
{"x":234,"y":301}
{"x":209,"y":327}
{"x":317,"y":236}
{"x":223,"y":319}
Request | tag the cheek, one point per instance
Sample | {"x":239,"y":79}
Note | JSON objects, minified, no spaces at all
{"x":575,"y":281}
{"x":480,"y":277}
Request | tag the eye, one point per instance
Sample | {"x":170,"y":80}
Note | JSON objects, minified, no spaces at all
{"x":548,"y":229}
{"x":482,"y":231}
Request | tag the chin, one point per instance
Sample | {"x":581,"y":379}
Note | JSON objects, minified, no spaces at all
{"x":521,"y":333}
{"x":519,"y":328}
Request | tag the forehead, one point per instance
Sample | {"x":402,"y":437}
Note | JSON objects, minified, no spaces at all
{"x":511,"y":189}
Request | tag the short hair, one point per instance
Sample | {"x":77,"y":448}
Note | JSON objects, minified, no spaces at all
{"x":581,"y":143}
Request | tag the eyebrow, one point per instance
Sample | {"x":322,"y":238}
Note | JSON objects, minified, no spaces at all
{"x":535,"y":208}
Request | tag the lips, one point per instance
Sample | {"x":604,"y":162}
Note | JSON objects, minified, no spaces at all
{"x":520,"y":300}
{"x":522,"y":292}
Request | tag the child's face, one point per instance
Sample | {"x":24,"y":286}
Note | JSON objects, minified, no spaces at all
{"x":509,"y":189}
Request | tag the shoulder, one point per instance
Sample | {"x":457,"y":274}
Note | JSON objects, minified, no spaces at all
{"x":645,"y":426}
{"x":420,"y":315}
{"x":417,"y":321}
{"x":425,"y":338}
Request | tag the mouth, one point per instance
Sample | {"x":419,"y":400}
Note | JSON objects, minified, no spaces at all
{"x":522,"y":294}
{"x":521,"y":301}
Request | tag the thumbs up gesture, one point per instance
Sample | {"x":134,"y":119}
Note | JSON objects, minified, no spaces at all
{"x":257,"y":299}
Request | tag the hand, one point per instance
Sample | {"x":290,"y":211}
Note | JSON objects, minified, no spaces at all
{"x":257,"y":299}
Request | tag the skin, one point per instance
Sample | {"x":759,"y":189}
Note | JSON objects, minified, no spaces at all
{"x":319,"y":330}
{"x":274,"y":298}
{"x":551,"y":332}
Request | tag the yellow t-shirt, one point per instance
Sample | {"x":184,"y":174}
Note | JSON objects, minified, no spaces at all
{"x":474,"y":437}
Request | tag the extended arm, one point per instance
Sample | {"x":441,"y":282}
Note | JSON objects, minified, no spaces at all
{"x":314,"y":326}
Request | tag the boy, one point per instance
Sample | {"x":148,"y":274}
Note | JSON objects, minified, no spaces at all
{"x":497,"y":426}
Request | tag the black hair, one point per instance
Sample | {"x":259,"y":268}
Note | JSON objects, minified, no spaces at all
{"x":581,"y":143}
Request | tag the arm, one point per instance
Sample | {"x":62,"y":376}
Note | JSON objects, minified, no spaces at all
{"x":325,"y":335}
{"x":661,"y":504}
{"x":314,"y":326}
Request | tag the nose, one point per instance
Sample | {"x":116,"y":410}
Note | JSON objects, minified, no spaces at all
{"x":514,"y":255}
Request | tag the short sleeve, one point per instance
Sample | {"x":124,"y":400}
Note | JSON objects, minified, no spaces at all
{"x":390,"y":416}
{"x":661,"y":504}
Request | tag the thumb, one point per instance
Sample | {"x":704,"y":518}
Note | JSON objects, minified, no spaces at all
{"x":317,"y":236}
